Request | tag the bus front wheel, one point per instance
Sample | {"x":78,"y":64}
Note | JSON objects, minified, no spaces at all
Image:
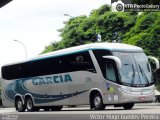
{"x":97,"y":102}
{"x":128,"y":106}
{"x":19,"y":105}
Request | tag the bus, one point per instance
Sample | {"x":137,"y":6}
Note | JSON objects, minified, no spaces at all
{"x":97,"y":74}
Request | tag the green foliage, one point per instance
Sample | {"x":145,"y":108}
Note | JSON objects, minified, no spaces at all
{"x":146,"y":33}
{"x":111,"y":23}
{"x":82,"y":29}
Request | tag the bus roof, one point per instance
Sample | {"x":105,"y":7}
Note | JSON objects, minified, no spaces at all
{"x":92,"y":46}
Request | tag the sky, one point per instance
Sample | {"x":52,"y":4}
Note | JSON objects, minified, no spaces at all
{"x":35,"y":24}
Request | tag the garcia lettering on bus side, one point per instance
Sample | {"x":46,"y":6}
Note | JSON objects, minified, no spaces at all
{"x":51,"y":79}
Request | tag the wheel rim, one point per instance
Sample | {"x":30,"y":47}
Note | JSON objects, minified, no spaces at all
{"x":29,"y":104}
{"x":97,"y":102}
{"x":19,"y":104}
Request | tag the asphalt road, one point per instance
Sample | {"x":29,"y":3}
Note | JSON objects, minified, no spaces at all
{"x":139,"y":112}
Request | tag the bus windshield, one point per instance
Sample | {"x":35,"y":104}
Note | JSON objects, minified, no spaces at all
{"x":135,"y":69}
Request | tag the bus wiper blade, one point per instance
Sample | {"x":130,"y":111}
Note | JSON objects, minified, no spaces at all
{"x":133,"y":75}
{"x":143,"y":74}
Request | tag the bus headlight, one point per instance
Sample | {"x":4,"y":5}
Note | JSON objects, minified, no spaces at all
{"x":126,"y":90}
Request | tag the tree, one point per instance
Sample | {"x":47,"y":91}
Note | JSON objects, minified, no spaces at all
{"x":146,"y":33}
{"x":82,"y":29}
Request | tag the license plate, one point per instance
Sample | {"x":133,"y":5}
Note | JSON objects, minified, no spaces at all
{"x":141,"y":98}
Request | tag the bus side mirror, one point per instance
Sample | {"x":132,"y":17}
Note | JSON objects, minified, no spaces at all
{"x":155,"y":60}
{"x":116,"y":59}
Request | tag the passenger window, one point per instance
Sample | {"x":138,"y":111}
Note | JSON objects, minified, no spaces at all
{"x":110,"y":72}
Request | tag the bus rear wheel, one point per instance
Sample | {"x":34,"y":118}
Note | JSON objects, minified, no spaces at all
{"x":29,"y":104}
{"x":128,"y":106}
{"x":19,"y":105}
{"x":97,"y":102}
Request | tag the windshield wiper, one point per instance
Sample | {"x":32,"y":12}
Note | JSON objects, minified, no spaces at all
{"x":133,"y":75}
{"x":143,"y":74}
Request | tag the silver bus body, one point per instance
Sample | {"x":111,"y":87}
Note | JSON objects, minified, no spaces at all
{"x":120,"y":73}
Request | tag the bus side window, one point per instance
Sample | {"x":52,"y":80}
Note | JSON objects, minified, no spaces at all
{"x":82,"y":62}
{"x":78,"y":62}
{"x":110,"y":72}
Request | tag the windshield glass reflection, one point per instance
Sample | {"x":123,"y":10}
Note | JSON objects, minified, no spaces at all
{"x":135,"y":68}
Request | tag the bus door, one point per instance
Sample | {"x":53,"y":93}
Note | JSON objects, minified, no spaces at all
{"x":111,"y":75}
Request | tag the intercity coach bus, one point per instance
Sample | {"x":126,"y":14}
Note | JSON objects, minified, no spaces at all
{"x":96,"y":74}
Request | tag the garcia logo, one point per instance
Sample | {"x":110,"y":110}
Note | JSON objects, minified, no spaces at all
{"x":51,"y":79}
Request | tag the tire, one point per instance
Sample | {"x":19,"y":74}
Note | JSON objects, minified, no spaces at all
{"x":29,"y":105}
{"x":97,"y":102}
{"x":56,"y":108}
{"x":19,"y":105}
{"x":128,"y":106}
